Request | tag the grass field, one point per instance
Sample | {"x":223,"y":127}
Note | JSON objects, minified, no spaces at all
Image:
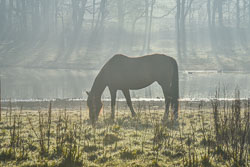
{"x":214,"y":133}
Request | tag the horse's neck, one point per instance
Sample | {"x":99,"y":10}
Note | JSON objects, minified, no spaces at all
{"x":99,"y":85}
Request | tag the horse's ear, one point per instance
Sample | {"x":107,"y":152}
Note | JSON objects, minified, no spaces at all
{"x":87,"y":93}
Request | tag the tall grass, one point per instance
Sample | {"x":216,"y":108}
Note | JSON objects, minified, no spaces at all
{"x":49,"y":124}
{"x":231,"y":131}
{"x":0,"y":99}
{"x":207,"y":134}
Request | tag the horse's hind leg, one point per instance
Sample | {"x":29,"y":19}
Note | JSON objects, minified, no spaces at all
{"x":113,"y":99}
{"x":128,"y":99}
{"x":167,"y":96}
{"x":175,"y":106}
{"x":167,"y":103}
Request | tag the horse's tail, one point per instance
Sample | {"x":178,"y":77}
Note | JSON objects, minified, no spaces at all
{"x":175,"y":88}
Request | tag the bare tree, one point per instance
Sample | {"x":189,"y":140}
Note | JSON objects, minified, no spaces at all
{"x":78,"y":11}
{"x":183,"y":8}
{"x":249,"y":12}
{"x":35,"y":16}
{"x":2,"y":14}
{"x":177,"y":22}
{"x":238,"y":14}
{"x":220,"y":12}
{"x":93,"y":14}
{"x":146,"y":26}
{"x":150,"y":25}
{"x":24,"y":18}
{"x":101,"y":16}
{"x":121,"y":15}
{"x":10,"y":15}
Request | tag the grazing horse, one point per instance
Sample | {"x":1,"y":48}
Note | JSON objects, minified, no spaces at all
{"x":130,"y":73}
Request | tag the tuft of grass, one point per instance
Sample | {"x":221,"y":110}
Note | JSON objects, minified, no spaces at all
{"x":129,"y":155}
{"x":91,"y":148}
{"x":7,"y":155}
{"x":205,"y":161}
{"x":110,"y":138}
{"x":92,"y":157}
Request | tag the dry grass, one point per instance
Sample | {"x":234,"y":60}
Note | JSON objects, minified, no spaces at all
{"x":217,"y":136}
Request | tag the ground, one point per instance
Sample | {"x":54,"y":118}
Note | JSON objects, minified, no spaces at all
{"x":64,"y":137}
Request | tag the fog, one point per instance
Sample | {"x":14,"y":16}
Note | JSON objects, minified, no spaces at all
{"x":55,"y":48}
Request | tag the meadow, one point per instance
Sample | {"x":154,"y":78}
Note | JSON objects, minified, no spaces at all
{"x":208,"y":133}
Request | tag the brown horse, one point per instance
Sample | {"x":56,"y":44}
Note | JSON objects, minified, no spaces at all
{"x":127,"y":73}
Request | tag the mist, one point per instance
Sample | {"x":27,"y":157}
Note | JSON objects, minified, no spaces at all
{"x":55,"y":48}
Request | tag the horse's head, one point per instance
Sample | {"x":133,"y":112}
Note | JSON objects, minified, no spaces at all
{"x":95,"y":105}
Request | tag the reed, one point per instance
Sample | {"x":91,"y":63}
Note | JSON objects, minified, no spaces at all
{"x":0,"y":99}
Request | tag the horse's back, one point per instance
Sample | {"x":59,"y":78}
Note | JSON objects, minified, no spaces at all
{"x":152,"y":59}
{"x":151,"y":64}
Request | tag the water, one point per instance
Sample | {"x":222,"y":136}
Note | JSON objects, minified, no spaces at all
{"x":69,"y":83}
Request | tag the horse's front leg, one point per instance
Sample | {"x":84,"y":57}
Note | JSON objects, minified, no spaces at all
{"x":128,"y":99}
{"x":113,"y":99}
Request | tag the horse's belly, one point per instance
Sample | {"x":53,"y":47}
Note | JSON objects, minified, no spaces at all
{"x":134,"y":84}
{"x":135,"y":87}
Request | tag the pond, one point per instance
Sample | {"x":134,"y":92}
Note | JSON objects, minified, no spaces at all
{"x":21,"y":83}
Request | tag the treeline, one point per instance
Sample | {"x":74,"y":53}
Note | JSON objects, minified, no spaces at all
{"x":125,"y":18}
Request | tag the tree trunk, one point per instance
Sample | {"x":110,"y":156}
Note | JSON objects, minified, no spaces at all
{"x":238,"y":14}
{"x":3,"y":15}
{"x":75,"y":8}
{"x":220,"y":12}
{"x":249,"y":12}
{"x":228,"y":11}
{"x":24,"y":18}
{"x":35,"y":16}
{"x":103,"y":12}
{"x":33,"y":20}
{"x":52,"y":4}
{"x":10,"y":16}
{"x":177,"y":21}
{"x":150,"y":25}
{"x":63,"y":34}
{"x":56,"y":15}
{"x":46,"y":16}
{"x":244,"y":11}
{"x":98,"y":28}
{"x":145,"y":37}
{"x":81,"y":14}
{"x":183,"y":28}
{"x":209,"y":13}
{"x":210,"y":28}
{"x":213,"y":28}
{"x":19,"y":18}
{"x":214,"y":13}
{"x":93,"y":15}
{"x":120,"y":11}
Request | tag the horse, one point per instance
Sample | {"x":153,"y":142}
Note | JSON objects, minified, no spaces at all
{"x":131,"y":73}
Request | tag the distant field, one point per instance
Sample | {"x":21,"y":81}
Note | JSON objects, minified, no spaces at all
{"x":207,"y":134}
